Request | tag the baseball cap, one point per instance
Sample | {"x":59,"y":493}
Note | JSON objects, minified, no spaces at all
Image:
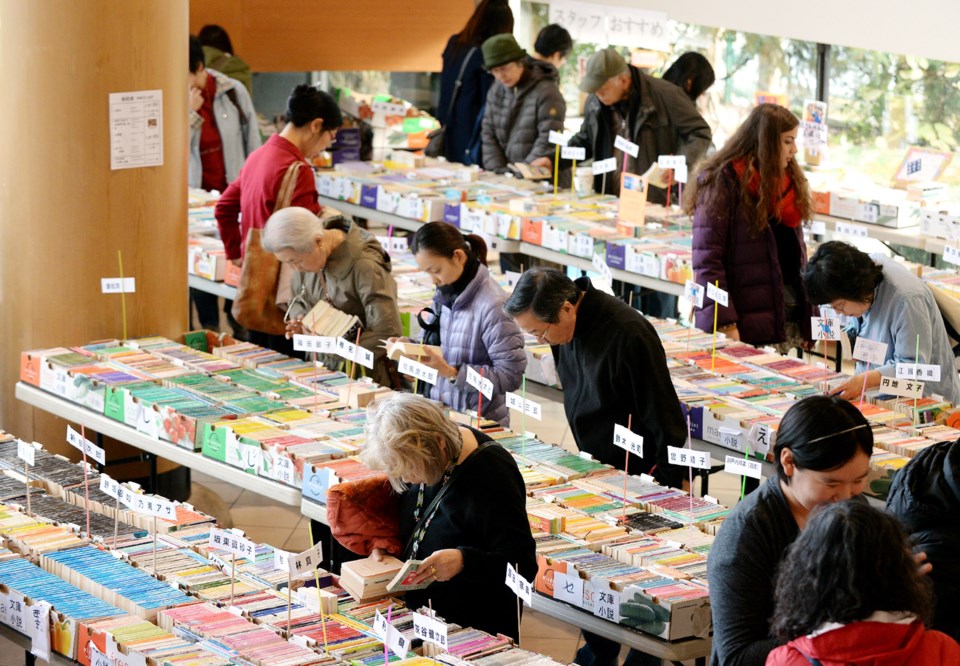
{"x":602,"y":66}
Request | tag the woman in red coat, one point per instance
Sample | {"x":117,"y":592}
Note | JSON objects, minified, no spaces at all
{"x":748,"y":203}
{"x":850,"y":593}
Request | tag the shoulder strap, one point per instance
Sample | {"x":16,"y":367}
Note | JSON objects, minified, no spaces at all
{"x":814,"y":662}
{"x":443,"y":491}
{"x":287,"y":186}
{"x":232,"y":96}
{"x":459,"y":83}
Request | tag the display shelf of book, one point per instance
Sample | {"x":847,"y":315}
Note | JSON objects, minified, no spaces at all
{"x":695,"y":648}
{"x":906,"y":236}
{"x":314,"y":510}
{"x":221,"y":289}
{"x":391,"y":220}
{"x":124,"y":433}
{"x":583,"y":264}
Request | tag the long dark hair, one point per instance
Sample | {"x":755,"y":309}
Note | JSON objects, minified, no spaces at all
{"x":823,"y":433}
{"x":850,"y":561}
{"x":757,"y":143}
{"x":215,"y":36}
{"x":491,"y":17}
{"x":444,"y":239}
{"x":693,"y":67}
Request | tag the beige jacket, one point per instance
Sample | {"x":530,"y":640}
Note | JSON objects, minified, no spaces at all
{"x":358,"y":283}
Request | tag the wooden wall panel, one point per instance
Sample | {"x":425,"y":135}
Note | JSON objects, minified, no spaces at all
{"x":63,"y":213}
{"x":308,"y":35}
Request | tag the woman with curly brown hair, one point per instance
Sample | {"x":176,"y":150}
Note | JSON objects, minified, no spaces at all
{"x":748,"y":202}
{"x":849,"y":592}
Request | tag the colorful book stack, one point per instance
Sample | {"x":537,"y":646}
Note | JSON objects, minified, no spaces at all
{"x":32,"y":536}
{"x":113,"y":580}
{"x":130,"y":635}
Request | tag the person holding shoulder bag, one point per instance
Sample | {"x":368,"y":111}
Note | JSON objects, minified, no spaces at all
{"x":275,"y":176}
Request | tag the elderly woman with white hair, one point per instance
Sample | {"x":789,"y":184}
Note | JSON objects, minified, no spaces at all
{"x":336,"y":260}
{"x":462,"y":511}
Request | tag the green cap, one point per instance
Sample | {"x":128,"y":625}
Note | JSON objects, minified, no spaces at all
{"x":602,"y":66}
{"x":501,"y":49}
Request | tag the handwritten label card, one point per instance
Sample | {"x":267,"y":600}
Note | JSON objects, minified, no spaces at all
{"x":905,"y":388}
{"x":430,"y":630}
{"x":951,"y":255}
{"x":26,"y":451}
{"x":628,"y":440}
{"x":573,"y":153}
{"x":528,"y":407}
{"x":742,"y":467}
{"x":568,"y":587}
{"x":232,"y":543}
{"x":694,"y":292}
{"x":825,"y":328}
{"x":76,"y":441}
{"x":558,"y":138}
{"x":629,"y":147}
{"x":852,"y":230}
{"x":520,"y":586}
{"x":870,"y":351}
{"x":928,"y":373}
{"x":352,"y":352}
{"x":479,"y":382}
{"x":306,"y":562}
{"x":715,"y":293}
{"x":407,"y":366}
{"x":118,"y":285}
{"x":688,"y":457}
{"x":601,"y":167}
{"x":762,"y":437}
{"x":391,"y":636}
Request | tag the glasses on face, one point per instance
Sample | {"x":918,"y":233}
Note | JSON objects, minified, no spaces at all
{"x":839,"y":306}
{"x":541,"y":335}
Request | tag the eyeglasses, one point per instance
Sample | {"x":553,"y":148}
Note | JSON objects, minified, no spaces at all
{"x":542,"y":335}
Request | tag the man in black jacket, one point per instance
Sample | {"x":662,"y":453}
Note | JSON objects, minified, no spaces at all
{"x":611,"y":365}
{"x":652,"y":113}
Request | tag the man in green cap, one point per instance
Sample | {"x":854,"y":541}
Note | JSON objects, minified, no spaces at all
{"x":654,"y":114}
{"x":523,"y":105}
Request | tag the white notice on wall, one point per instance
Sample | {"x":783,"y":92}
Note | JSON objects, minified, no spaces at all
{"x":136,"y":129}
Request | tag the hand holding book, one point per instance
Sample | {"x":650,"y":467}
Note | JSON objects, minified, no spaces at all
{"x":440,"y":566}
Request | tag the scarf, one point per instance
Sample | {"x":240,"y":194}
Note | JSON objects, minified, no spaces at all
{"x":786,"y":208}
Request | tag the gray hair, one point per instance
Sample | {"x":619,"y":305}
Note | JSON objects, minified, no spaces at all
{"x":408,"y":436}
{"x":542,"y":291}
{"x":292,"y":228}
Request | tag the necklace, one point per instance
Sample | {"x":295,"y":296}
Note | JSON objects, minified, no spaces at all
{"x":418,"y":534}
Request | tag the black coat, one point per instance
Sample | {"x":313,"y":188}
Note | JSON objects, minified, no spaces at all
{"x":613,"y":368}
{"x":462,"y":125}
{"x":925,"y":496}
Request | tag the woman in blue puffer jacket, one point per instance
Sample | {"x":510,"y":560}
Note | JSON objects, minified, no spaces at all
{"x":474,"y":332}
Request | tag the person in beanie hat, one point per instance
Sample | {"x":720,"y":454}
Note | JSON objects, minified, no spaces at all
{"x":654,"y":114}
{"x":523,"y":106}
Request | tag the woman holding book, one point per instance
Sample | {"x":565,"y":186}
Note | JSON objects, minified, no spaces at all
{"x":883,"y":302}
{"x":849,"y":592}
{"x":462,"y":511}
{"x":475,"y":334}
{"x":338,"y":262}
{"x":822,"y":454}
{"x":748,"y":203}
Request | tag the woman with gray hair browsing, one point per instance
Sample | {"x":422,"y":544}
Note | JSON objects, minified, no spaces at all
{"x":462,"y":511}
{"x":337,"y":261}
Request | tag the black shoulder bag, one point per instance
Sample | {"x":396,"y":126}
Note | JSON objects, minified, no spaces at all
{"x":435,"y":140}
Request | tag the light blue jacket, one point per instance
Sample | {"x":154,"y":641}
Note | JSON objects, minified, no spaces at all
{"x":239,"y":139}
{"x":903,"y":309}
{"x":476,"y":333}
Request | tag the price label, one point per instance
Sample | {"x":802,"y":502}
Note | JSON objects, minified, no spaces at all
{"x":76,"y":441}
{"x":687,"y":458}
{"x":761,"y":438}
{"x":389,"y":109}
{"x":352,"y":352}
{"x":118,"y":285}
{"x":818,"y":227}
{"x":601,"y":167}
{"x":430,"y":630}
{"x":671,"y":161}
{"x":854,"y":230}
{"x":742,"y":467}
{"x":928,"y":373}
{"x":905,"y":388}
{"x":825,"y":328}
{"x":238,"y":545}
{"x":26,"y":452}
{"x":606,"y":603}
{"x":558,"y":138}
{"x":628,"y":440}
{"x":520,"y":586}
{"x":479,"y":382}
{"x":694,"y":292}
{"x":951,"y":255}
{"x":573,"y":153}
{"x":391,"y":636}
{"x":870,"y":351}
{"x":306,"y":562}
{"x":153,"y":506}
{"x":715,"y":293}
{"x":629,"y":147}
{"x":407,"y":366}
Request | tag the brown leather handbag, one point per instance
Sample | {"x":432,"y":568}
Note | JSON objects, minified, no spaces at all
{"x":255,"y":304}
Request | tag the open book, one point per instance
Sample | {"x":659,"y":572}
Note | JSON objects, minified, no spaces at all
{"x":404,"y":579}
{"x":413,"y":350}
{"x":324,"y":319}
{"x":530,"y":172}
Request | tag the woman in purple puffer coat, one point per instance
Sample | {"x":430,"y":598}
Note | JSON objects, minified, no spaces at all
{"x":749,"y":202}
{"x":474,"y":332}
